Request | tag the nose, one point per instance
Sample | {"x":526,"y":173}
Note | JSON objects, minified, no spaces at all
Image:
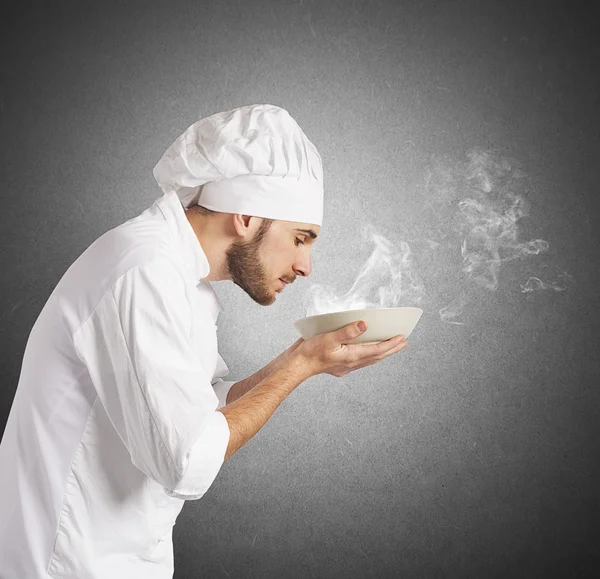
{"x":303,"y":265}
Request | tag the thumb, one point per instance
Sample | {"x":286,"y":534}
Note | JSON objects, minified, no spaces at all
{"x":353,"y":330}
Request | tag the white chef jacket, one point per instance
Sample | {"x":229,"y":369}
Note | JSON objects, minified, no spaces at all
{"x":116,"y":419}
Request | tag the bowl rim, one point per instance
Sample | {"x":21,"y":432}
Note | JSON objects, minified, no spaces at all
{"x":360,"y":310}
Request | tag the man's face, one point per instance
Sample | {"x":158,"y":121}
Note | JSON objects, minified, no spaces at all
{"x":279,"y":251}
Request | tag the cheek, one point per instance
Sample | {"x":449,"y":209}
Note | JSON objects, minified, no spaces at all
{"x":274,"y":261}
{"x":277,"y":263}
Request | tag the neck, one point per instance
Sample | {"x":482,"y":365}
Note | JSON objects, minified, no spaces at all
{"x":214,"y":243}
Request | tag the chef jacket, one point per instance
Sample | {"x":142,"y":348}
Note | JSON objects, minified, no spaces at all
{"x":116,"y":420}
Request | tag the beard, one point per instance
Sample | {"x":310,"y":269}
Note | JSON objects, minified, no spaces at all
{"x":246,"y":269}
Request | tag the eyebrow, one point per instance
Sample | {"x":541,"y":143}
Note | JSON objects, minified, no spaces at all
{"x":309,"y":231}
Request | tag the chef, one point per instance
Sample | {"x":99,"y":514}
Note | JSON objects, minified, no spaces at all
{"x":121,"y":411}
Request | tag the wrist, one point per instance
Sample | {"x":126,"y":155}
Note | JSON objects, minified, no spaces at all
{"x":301,"y":366}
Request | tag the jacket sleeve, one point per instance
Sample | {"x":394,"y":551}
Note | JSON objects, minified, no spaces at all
{"x":221,"y":386}
{"x":138,"y":350}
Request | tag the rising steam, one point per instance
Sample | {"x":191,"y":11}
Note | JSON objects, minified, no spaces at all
{"x":474,"y":208}
{"x":388,"y":279}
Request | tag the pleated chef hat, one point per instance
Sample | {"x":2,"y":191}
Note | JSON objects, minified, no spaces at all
{"x":253,"y":160}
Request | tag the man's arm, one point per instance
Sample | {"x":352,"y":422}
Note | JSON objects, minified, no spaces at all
{"x":325,"y":353}
{"x":137,"y":349}
{"x":240,"y":388}
{"x":249,"y":413}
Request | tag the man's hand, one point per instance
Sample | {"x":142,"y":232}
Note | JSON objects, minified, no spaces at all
{"x":326,"y":353}
{"x":329,"y":354}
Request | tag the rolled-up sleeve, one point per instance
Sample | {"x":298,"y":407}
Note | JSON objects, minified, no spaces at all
{"x":138,"y":350}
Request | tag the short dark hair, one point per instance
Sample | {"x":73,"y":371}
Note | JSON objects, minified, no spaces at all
{"x":264,"y":226}
{"x":203,"y":210}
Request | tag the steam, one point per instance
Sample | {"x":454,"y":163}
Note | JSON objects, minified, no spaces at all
{"x":453,"y":310}
{"x":536,"y":284}
{"x":388,"y":279}
{"x":471,"y":213}
{"x":489,"y":218}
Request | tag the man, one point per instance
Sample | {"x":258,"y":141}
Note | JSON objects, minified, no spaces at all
{"x":121,"y":412}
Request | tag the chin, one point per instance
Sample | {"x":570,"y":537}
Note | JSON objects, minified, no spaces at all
{"x":269,"y":302}
{"x":264,"y":300}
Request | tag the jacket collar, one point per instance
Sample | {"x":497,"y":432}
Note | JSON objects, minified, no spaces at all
{"x":195,"y":258}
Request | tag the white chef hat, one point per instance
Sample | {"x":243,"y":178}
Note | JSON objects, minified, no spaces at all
{"x":253,"y":160}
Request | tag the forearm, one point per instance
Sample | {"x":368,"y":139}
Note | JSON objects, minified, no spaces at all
{"x":249,"y":413}
{"x":240,"y":388}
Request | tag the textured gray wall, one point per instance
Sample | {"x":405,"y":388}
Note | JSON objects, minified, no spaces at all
{"x":471,"y":454}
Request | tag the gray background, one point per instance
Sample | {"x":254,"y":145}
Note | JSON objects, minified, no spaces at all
{"x":474,"y":452}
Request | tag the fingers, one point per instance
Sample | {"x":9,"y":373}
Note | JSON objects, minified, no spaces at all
{"x":363,"y":351}
{"x":403,"y":344}
{"x":373,"y":361}
{"x":350,"y":331}
{"x":364,"y":362}
{"x":400,"y":346}
{"x":333,"y":353}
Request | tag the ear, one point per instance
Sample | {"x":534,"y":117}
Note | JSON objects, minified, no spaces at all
{"x":242,"y":224}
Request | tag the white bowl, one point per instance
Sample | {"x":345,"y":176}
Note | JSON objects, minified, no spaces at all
{"x":382,"y":323}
